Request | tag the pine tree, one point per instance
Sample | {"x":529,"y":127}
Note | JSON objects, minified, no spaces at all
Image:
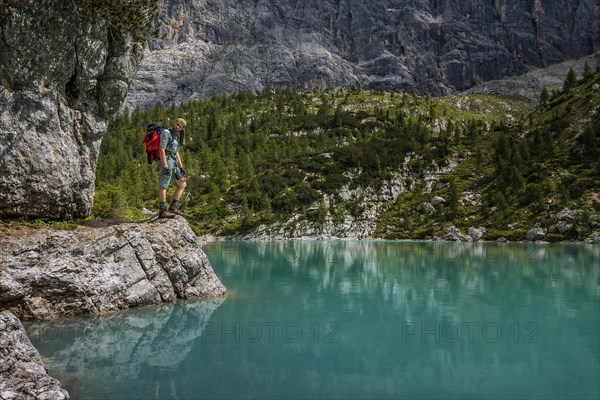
{"x":501,"y":204}
{"x":453,"y":198}
{"x":544,"y":97}
{"x":571,"y":80}
{"x":587,"y":71}
{"x":322,"y":217}
{"x":588,"y":137}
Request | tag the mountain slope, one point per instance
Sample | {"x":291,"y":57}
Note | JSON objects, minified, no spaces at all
{"x":370,"y":164}
{"x":427,"y":46}
{"x":531,"y":84}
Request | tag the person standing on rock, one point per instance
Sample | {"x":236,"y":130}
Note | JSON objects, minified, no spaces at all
{"x":170,"y":167}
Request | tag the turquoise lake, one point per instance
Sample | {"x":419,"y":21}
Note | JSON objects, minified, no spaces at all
{"x":350,"y":320}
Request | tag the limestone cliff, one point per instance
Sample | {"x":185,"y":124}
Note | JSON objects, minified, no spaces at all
{"x":47,"y":274}
{"x":61,"y":77}
{"x":429,"y":46}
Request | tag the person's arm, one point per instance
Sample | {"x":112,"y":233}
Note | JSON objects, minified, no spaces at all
{"x":179,"y":163}
{"x":163,"y":158}
{"x":164,"y":140}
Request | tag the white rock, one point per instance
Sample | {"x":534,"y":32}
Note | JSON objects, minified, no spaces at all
{"x":437,"y":200}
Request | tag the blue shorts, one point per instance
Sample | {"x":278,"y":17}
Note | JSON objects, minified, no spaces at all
{"x":165,"y":179}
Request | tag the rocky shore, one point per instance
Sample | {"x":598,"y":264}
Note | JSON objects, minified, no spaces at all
{"x":566,"y":226}
{"x":22,"y":374}
{"x":47,"y":274}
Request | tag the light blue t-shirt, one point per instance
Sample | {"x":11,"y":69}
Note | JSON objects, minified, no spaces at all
{"x":169,"y":140}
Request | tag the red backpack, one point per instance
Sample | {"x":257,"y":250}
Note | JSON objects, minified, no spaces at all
{"x":152,"y":142}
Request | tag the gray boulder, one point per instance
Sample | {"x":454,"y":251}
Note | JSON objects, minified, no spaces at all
{"x":593,"y":238}
{"x":61,"y":78}
{"x":536,"y":234}
{"x":426,"y":208}
{"x":438,"y":200}
{"x":453,"y":233}
{"x":566,"y":214}
{"x":501,"y":240}
{"x":477,"y":233}
{"x":22,"y":373}
{"x":47,"y":274}
{"x":560,"y":227}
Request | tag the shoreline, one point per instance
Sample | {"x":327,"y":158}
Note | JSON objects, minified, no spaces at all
{"x":212,"y":238}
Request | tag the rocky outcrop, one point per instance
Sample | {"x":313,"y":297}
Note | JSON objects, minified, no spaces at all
{"x":436,"y":200}
{"x":536,"y":234}
{"x":454,"y":234}
{"x":593,"y":238}
{"x":61,"y":77}
{"x":22,"y":374}
{"x":531,"y":84}
{"x":428,"y":46}
{"x":47,"y":274}
{"x":477,"y":233}
{"x":367,"y":202}
{"x":567,"y":215}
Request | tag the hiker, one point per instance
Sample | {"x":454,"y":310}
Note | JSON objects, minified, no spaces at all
{"x":169,"y":167}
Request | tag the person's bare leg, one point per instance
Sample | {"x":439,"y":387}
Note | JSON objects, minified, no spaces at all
{"x":162,"y":195}
{"x":180,"y":188}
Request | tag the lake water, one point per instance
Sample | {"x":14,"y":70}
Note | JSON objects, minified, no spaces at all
{"x":353,"y":320}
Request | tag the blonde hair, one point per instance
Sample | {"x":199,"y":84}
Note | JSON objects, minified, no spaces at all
{"x":181,"y":121}
{"x":183,"y":124}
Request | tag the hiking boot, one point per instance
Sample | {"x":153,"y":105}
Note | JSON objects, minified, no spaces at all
{"x":164,"y":213}
{"x":175,"y":209}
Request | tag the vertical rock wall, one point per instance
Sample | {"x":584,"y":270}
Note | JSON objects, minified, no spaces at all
{"x":61,"y":77}
{"x":426,"y":46}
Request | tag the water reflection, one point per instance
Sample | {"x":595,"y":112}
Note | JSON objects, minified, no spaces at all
{"x":465,"y":271}
{"x":355,"y":320}
{"x":133,"y":347}
{"x":418,"y":319}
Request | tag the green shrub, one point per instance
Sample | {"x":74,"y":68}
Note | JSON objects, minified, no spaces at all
{"x":425,"y":233}
{"x":398,"y":236}
{"x":513,"y":235}
{"x":554,"y":237}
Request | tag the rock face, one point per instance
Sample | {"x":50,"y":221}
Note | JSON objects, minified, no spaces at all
{"x":22,"y":374}
{"x":47,"y":274}
{"x":61,"y":77}
{"x":429,"y":46}
{"x":531,"y":84}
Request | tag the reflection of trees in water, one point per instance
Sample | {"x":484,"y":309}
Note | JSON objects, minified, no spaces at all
{"x":421,"y":281}
{"x":125,"y":346}
{"x":427,"y":273}
{"x":372,"y":289}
